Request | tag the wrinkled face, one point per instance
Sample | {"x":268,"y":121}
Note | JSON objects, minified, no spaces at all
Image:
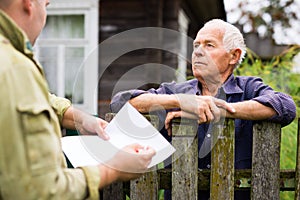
{"x":39,"y":15}
{"x":210,"y":60}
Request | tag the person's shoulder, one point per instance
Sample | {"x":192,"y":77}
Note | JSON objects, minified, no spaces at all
{"x":4,"y":44}
{"x":179,"y":87}
{"x":10,"y":56}
{"x":189,"y":86}
{"x":247,"y":79}
{"x":5,"y":52}
{"x":190,"y":82}
{"x":4,"y":40}
{"x":193,"y":81}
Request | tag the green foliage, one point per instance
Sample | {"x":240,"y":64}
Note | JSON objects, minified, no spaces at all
{"x":277,"y":73}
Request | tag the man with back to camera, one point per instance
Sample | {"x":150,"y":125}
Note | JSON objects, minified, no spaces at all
{"x":32,"y":163}
{"x":215,"y":93}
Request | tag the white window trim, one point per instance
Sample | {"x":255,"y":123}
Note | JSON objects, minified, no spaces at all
{"x":90,"y":9}
{"x":183,"y":22}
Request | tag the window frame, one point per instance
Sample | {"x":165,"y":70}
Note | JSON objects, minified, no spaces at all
{"x":90,"y":10}
{"x":183,"y":22}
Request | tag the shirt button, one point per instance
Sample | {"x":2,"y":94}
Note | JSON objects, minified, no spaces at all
{"x":208,"y":166}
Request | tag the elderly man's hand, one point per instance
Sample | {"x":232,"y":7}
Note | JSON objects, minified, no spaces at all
{"x":204,"y":109}
{"x":207,"y":108}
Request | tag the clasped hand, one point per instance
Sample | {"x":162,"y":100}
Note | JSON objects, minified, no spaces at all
{"x":204,"y":109}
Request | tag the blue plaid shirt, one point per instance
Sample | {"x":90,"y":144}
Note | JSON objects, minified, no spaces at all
{"x":235,"y":89}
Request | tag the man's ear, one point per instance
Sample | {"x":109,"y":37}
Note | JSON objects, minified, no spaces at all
{"x":235,"y":56}
{"x":27,"y":6}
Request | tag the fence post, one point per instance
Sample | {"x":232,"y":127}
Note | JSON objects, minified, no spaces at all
{"x":297,"y":178}
{"x":115,"y":191}
{"x":185,"y":159}
{"x":265,"y":182}
{"x":222,"y":161}
{"x":146,"y":187}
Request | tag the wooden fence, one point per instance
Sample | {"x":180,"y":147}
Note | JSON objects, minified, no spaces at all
{"x":265,"y":179}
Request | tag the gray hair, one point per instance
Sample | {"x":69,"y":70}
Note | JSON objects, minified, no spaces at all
{"x":232,"y":39}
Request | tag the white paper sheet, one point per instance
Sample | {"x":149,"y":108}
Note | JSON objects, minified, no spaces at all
{"x":127,"y":127}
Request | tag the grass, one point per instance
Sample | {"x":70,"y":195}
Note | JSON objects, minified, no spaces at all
{"x":288,"y":153}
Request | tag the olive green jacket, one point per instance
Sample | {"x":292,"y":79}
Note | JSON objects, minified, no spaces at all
{"x":32,"y":165}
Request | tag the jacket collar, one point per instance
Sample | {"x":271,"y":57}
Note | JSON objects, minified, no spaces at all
{"x":10,"y":30}
{"x":17,"y":37}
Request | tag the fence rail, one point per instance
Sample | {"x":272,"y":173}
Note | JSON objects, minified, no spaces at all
{"x":265,"y":180}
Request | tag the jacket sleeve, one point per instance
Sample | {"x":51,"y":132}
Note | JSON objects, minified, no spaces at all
{"x":59,"y":105}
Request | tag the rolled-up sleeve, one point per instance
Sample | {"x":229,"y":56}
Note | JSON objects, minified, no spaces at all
{"x":92,"y":175}
{"x":119,"y":100}
{"x":59,"y":105}
{"x":282,"y":103}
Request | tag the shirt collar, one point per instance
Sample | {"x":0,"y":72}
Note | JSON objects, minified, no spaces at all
{"x":229,"y":87}
{"x":10,"y":30}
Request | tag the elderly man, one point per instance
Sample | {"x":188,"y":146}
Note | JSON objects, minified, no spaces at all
{"x":218,"y":49}
{"x":32,"y":164}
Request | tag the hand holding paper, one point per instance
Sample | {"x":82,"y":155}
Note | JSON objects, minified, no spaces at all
{"x":130,"y":161}
{"x":128,"y":127}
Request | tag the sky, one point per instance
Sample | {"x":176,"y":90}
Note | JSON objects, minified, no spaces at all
{"x":281,"y":36}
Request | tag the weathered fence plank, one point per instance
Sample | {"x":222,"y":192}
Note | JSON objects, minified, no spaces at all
{"x":222,"y":161}
{"x":297,"y":181}
{"x":115,"y":191}
{"x":185,"y":159}
{"x":145,"y":187}
{"x":266,"y":161}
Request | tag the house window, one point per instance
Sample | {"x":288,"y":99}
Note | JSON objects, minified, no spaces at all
{"x":68,"y":40}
